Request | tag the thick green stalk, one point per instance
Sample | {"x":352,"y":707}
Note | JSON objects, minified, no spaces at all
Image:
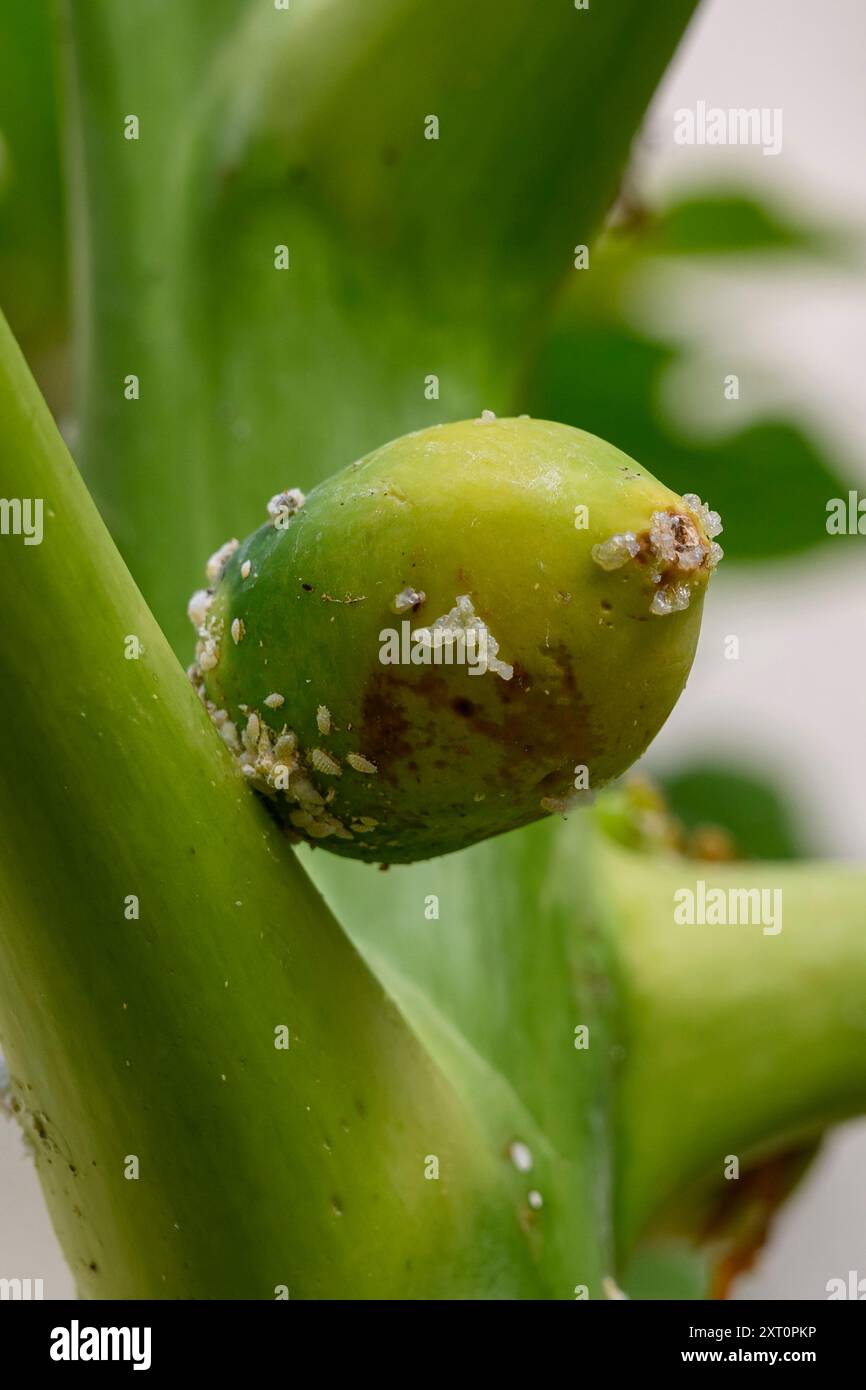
{"x":503,"y":957}
{"x":147,"y":1029}
{"x":705,"y":1041}
{"x":737,"y":1042}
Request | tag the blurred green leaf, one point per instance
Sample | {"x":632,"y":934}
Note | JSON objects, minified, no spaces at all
{"x":33,"y":267}
{"x":730,"y":223}
{"x":667,"y":1270}
{"x":753,"y":812}
{"x":770,"y":481}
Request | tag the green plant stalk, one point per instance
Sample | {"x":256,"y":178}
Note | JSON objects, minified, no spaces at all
{"x":155,"y":1037}
{"x":704,"y":1040}
{"x":520,"y":956}
{"x":763,"y":1034}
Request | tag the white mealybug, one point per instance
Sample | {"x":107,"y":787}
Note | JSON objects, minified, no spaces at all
{"x":284,"y":505}
{"x":285,"y":746}
{"x":209,"y":653}
{"x":198,"y":606}
{"x":363,"y":825}
{"x":229,"y":736}
{"x":323,"y":762}
{"x":360,"y":763}
{"x":218,"y":561}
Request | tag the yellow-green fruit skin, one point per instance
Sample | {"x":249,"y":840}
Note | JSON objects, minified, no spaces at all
{"x":491,"y":509}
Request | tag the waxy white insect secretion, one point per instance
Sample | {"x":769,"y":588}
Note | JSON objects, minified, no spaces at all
{"x":453,"y":627}
{"x":615,"y":552}
{"x":676,"y":543}
{"x":208,"y":653}
{"x":218,"y":561}
{"x":197,"y":608}
{"x":408,"y":599}
{"x":671,"y":598}
{"x":710,"y":520}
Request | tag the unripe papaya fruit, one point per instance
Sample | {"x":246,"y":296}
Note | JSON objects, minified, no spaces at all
{"x":471,"y":627}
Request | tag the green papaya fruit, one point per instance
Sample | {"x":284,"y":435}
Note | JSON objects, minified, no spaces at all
{"x":476,"y":625}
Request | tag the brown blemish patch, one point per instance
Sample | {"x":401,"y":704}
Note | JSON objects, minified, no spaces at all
{"x":549,"y":781}
{"x":385,"y":725}
{"x":520,"y":684}
{"x":404,"y":718}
